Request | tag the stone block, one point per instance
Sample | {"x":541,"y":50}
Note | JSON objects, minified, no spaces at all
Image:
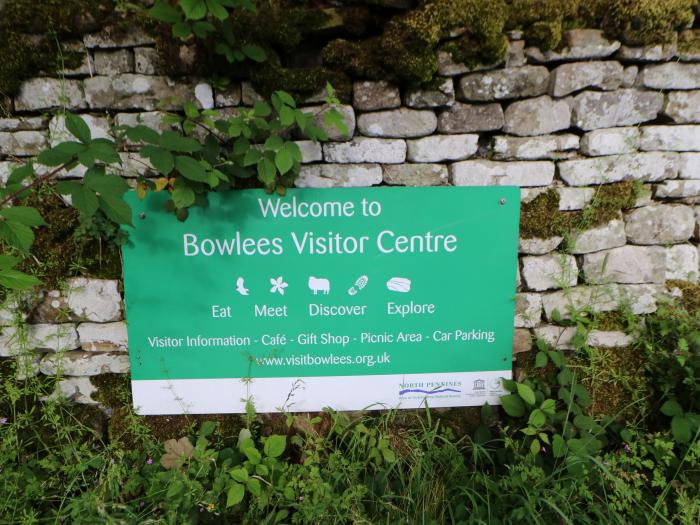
{"x":670,"y":138}
{"x":537,"y":116}
{"x":347,"y":114}
{"x":338,"y":175}
{"x":469,"y":118}
{"x":672,"y":75}
{"x":374,"y":95}
{"x":682,"y":262}
{"x":689,"y":166}
{"x":676,"y":189}
{"x":624,"y":107}
{"x":660,"y":224}
{"x":447,"y":67}
{"x":603,"y":237}
{"x":38,"y":337}
{"x":528,"y":310}
{"x":38,"y":94}
{"x":229,"y":97}
{"x":536,"y":246}
{"x":248,"y":94}
{"x":629,"y":76}
{"x":146,"y":61}
{"x":361,"y":149}
{"x":626,"y":264}
{"x":438,"y":148}
{"x":600,"y":298}
{"x":549,"y":272}
{"x":103,"y":337}
{"x":22,"y":143}
{"x":609,"y":339}
{"x":515,"y":55}
{"x":502,"y":84}
{"x":568,"y":78}
{"x":415,"y":174}
{"x":558,"y":337}
{"x":144,"y":92}
{"x":574,"y":198}
{"x":683,"y":106}
{"x":96,"y":300}
{"x":613,"y":141}
{"x":80,"y":363}
{"x":534,"y":148}
{"x":577,"y":44}
{"x":650,"y":53}
{"x":650,"y":166}
{"x":522,"y":340}
{"x":99,"y":128}
{"x":442,"y":96}
{"x":114,"y":62}
{"x":641,"y":298}
{"x":24,"y":123}
{"x":113,"y":37}
{"x":77,"y":390}
{"x":310,"y":151}
{"x":491,"y":173}
{"x":397,"y":123}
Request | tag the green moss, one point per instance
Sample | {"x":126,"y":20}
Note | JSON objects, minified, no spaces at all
{"x":545,"y":34}
{"x":299,"y":82}
{"x":58,"y":254}
{"x":643,"y":22}
{"x":689,"y":42}
{"x":113,"y":390}
{"x":541,"y":218}
{"x":358,"y":59}
{"x":690,"y":298}
{"x":31,"y":33}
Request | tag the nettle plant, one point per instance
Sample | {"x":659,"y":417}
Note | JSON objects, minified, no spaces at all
{"x":228,"y":153}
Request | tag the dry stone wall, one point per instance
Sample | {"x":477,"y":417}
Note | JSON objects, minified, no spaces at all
{"x":570,"y":121}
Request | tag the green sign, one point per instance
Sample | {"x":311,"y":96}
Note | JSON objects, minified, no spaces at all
{"x":324,"y":297}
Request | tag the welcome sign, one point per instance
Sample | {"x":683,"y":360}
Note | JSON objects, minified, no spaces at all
{"x":345,"y":298}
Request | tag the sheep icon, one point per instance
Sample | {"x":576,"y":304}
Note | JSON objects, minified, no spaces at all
{"x":319,"y":285}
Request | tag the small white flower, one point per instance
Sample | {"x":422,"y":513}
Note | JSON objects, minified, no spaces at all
{"x":278,"y":285}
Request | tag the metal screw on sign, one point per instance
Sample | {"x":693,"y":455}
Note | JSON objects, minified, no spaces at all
{"x":142,"y":215}
{"x":502,"y":202}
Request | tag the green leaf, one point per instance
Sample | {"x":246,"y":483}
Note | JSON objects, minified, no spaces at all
{"x":275,"y":445}
{"x":253,"y":156}
{"x":239,"y":474}
{"x":261,"y":470}
{"x":252,"y":454}
{"x":556,"y":358}
{"x":548,"y":406}
{"x":112,"y":185}
{"x":16,"y":280}
{"x":253,"y":52}
{"x":161,"y":159}
{"x":182,"y":30}
{"x":191,"y":168}
{"x":274,"y":143}
{"x":235,"y":494}
{"x":537,"y":418}
{"x":680,"y":426}
{"x":194,"y":9}
{"x":53,"y":157}
{"x":78,"y":128}
{"x":513,"y":405}
{"x":283,"y":161}
{"x":8,"y":261}
{"x":216,"y":9}
{"x":183,"y":196}
{"x":191,"y":110}
{"x":266,"y":171}
{"x":24,"y":215}
{"x":535,"y":447}
{"x":165,"y":13}
{"x":115,"y":209}
{"x":201,"y":28}
{"x":261,"y":109}
{"x":584,"y":422}
{"x":20,"y":173}
{"x":559,"y":446}
{"x":286,"y":116}
{"x":175,"y":142}
{"x":253,"y":485}
{"x":541,"y":360}
{"x":526,"y":393}
{"x":174,"y":489}
{"x":17,"y":234}
{"x":286,"y":98}
{"x":86,"y":158}
{"x":105,"y":150}
{"x":142,"y":133}
{"x":671,"y":408}
{"x":85,"y":201}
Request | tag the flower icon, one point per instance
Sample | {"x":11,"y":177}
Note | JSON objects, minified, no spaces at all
{"x":278,"y":285}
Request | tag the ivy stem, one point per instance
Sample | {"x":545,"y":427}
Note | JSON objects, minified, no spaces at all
{"x":37,"y":182}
